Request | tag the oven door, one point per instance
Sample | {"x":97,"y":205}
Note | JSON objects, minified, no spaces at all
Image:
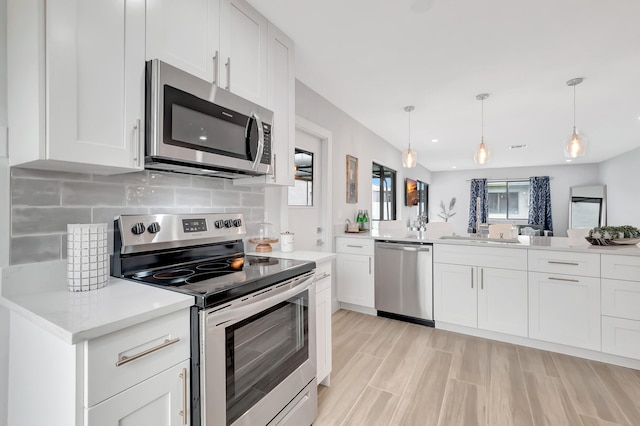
{"x":258,"y":354}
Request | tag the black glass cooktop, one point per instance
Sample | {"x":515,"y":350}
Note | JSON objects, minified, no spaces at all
{"x":217,"y":281}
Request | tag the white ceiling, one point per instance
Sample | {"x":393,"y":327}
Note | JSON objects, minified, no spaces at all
{"x":371,"y":58}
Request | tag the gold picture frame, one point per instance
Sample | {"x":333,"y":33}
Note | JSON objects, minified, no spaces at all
{"x":352,"y":179}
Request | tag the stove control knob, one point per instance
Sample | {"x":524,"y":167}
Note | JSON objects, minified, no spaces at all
{"x":219,"y":223}
{"x":237,"y":223}
{"x":154,"y":228}
{"x":228,"y":223}
{"x":138,"y":228}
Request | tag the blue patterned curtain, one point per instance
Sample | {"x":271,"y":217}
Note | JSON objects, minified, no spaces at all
{"x":540,"y":202}
{"x":478,"y":189}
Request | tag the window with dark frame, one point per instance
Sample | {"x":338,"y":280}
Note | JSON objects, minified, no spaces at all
{"x":301,"y":193}
{"x":508,"y":199}
{"x":383,"y":187}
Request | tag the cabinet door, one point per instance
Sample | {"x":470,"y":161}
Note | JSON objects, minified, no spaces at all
{"x":243,"y":50}
{"x":95,"y":86}
{"x":455,"y":296}
{"x":565,"y":309}
{"x":184,"y":34}
{"x":160,"y":400}
{"x":502,"y":301}
{"x":323,"y":334}
{"x":355,"y":279}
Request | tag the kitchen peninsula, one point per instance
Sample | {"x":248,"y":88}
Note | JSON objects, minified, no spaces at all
{"x":550,"y":293}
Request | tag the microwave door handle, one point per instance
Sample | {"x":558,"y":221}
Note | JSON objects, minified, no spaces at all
{"x":256,"y":161}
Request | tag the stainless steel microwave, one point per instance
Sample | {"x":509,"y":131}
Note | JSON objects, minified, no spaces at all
{"x":196,"y":127}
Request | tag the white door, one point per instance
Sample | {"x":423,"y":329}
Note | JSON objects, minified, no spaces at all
{"x":305,"y":221}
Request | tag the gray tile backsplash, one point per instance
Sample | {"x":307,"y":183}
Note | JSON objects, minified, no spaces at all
{"x":43,"y":202}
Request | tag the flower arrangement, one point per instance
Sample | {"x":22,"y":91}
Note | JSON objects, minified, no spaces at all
{"x":446,"y":214}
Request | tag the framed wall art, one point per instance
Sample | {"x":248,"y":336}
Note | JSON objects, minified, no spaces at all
{"x":410,"y":192}
{"x":352,"y":179}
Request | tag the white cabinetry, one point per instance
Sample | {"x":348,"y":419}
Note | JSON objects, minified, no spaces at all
{"x":481,"y":287}
{"x":280,"y":100}
{"x":76,"y":85}
{"x":139,"y":374}
{"x":620,"y":302}
{"x":323,"y":321}
{"x":564,"y":298}
{"x":222,"y":41}
{"x":354,"y":267}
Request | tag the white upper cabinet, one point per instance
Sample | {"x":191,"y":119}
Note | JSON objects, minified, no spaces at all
{"x":76,"y":84}
{"x":243,"y":51}
{"x":185,"y":34}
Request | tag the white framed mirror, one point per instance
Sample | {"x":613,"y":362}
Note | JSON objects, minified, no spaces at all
{"x":587,"y":206}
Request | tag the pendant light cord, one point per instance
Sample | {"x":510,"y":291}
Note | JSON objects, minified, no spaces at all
{"x":574,"y":108}
{"x":410,"y":130}
{"x":482,"y":123}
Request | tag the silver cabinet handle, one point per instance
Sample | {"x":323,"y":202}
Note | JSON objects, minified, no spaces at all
{"x":126,"y":359}
{"x":184,"y":412}
{"x":369,"y":265}
{"x":354,"y":246}
{"x":481,"y":278}
{"x":256,"y":161}
{"x":563,"y":263}
{"x":564,"y":279}
{"x":471,"y":277}
{"x":216,"y":72}
{"x":402,"y":247}
{"x":275,"y":170}
{"x":228,"y":66}
{"x":136,"y":142}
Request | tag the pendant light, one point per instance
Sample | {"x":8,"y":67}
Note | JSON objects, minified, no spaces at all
{"x":482,"y":153}
{"x":409,"y":157}
{"x":576,"y":145}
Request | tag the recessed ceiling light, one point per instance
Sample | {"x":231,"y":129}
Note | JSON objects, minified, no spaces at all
{"x":523,"y":146}
{"x":434,"y":140}
{"x":453,"y":167}
{"x":568,"y":160}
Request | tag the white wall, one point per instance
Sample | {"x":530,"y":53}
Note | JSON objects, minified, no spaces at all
{"x":620,"y":174}
{"x":352,"y":138}
{"x":4,"y":214}
{"x":446,"y":185}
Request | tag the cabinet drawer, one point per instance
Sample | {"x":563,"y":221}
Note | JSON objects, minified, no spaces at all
{"x":490,"y":257}
{"x":621,"y":299}
{"x":621,"y":337}
{"x":621,"y":267}
{"x":105,"y":378}
{"x":354,"y":245}
{"x":563,"y":262}
{"x":323,"y":276}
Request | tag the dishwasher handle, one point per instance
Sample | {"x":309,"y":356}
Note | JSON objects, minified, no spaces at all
{"x":403,"y":247}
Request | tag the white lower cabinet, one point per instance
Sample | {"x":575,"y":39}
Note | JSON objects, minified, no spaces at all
{"x":160,"y":400}
{"x":354,"y":268}
{"x":134,"y":376}
{"x":323,"y":322}
{"x":621,"y":336}
{"x":565,"y":309}
{"x":487,"y":298}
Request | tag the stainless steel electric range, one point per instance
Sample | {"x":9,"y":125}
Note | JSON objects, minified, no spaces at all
{"x":253,"y":325}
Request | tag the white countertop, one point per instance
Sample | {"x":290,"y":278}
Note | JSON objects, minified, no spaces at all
{"x":38,"y":291}
{"x":312,"y":256}
{"x":538,"y":243}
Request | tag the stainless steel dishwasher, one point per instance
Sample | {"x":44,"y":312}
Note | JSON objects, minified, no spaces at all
{"x":404,"y":281}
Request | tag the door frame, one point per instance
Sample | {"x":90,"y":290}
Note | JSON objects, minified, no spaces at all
{"x":326,"y":140}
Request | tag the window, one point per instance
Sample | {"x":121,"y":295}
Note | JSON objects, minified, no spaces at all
{"x":508,"y":200}
{"x":301,"y":194}
{"x":383,"y":187}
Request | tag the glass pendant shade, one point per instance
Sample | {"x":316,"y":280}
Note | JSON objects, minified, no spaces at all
{"x":482,"y":154}
{"x":409,"y":158}
{"x":576,"y":145}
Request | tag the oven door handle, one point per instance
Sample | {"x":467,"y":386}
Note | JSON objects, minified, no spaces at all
{"x":218,"y":318}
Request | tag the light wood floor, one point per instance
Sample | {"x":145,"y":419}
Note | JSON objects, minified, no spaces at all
{"x":388,"y":372}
